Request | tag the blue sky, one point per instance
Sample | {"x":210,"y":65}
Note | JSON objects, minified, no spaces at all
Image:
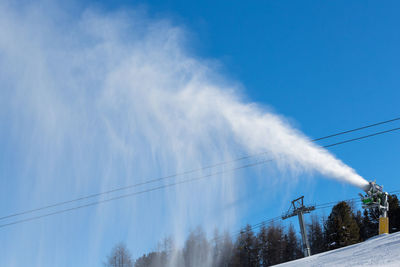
{"x":326,"y":66}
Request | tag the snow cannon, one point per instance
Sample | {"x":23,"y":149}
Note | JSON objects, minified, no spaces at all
{"x":377,"y":200}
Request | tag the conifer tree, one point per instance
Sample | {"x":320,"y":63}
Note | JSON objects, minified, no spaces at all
{"x":262,"y":246}
{"x":370,"y":223}
{"x":291,"y":246}
{"x":246,"y":254}
{"x":274,"y":245}
{"x":341,"y":227}
{"x":360,"y":222}
{"x":394,"y":214}
{"x":222,"y":250}
{"x":316,"y":236}
{"x":196,"y":249}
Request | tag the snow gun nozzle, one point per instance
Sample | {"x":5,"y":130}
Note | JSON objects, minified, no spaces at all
{"x":373,"y":188}
{"x":375,"y":197}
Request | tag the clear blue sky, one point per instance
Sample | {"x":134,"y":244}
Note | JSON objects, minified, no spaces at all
{"x":327,"y":65}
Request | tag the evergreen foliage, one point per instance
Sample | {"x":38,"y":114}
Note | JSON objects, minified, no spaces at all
{"x":394,"y":214}
{"x":316,"y":236}
{"x":341,"y":227}
{"x":246,"y":253}
{"x":272,"y":244}
{"x":275,"y":244}
{"x":292,"y":247}
{"x":368,"y":225}
{"x":262,"y":246}
{"x":195,"y":252}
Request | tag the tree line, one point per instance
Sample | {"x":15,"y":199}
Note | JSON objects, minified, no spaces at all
{"x":271,"y":244}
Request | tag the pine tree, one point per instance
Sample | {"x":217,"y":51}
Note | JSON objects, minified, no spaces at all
{"x":196,"y":249}
{"x":246,"y":254}
{"x":262,"y":246}
{"x":367,"y":226}
{"x":370,"y":223}
{"x":226,"y":251}
{"x":360,"y":222}
{"x":153,"y":259}
{"x":316,"y":236}
{"x":394,"y":214}
{"x":216,"y":249}
{"x":341,"y":227}
{"x":291,"y":247}
{"x":274,"y":245}
{"x":222,"y":250}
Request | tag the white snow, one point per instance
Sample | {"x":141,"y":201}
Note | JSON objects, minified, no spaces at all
{"x":382,"y":250}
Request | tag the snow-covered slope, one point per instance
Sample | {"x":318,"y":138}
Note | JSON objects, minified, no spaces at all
{"x":378,"y":251}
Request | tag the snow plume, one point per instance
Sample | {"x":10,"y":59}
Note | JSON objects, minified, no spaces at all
{"x":99,"y":100}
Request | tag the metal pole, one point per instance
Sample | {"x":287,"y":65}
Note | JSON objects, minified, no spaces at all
{"x":306,"y":245}
{"x":383,"y":218}
{"x":386,"y":205}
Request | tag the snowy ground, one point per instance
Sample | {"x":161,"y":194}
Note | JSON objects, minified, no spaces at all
{"x":378,"y":251}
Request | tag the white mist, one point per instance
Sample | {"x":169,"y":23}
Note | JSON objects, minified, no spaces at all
{"x":112,"y":99}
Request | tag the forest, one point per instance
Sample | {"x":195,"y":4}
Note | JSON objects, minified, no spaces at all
{"x":271,"y":244}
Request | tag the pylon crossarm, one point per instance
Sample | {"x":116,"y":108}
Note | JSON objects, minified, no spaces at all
{"x":297,"y":208}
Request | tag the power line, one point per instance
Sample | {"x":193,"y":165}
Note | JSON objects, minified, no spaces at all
{"x":357,"y":129}
{"x":194,"y":171}
{"x":133,"y":194}
{"x":363,"y":137}
{"x":125,"y":187}
{"x":138,"y":193}
{"x":145,"y":191}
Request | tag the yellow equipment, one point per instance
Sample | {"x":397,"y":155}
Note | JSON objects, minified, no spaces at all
{"x":383,"y":225}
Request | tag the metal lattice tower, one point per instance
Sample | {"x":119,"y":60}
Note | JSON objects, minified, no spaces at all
{"x":297,"y":208}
